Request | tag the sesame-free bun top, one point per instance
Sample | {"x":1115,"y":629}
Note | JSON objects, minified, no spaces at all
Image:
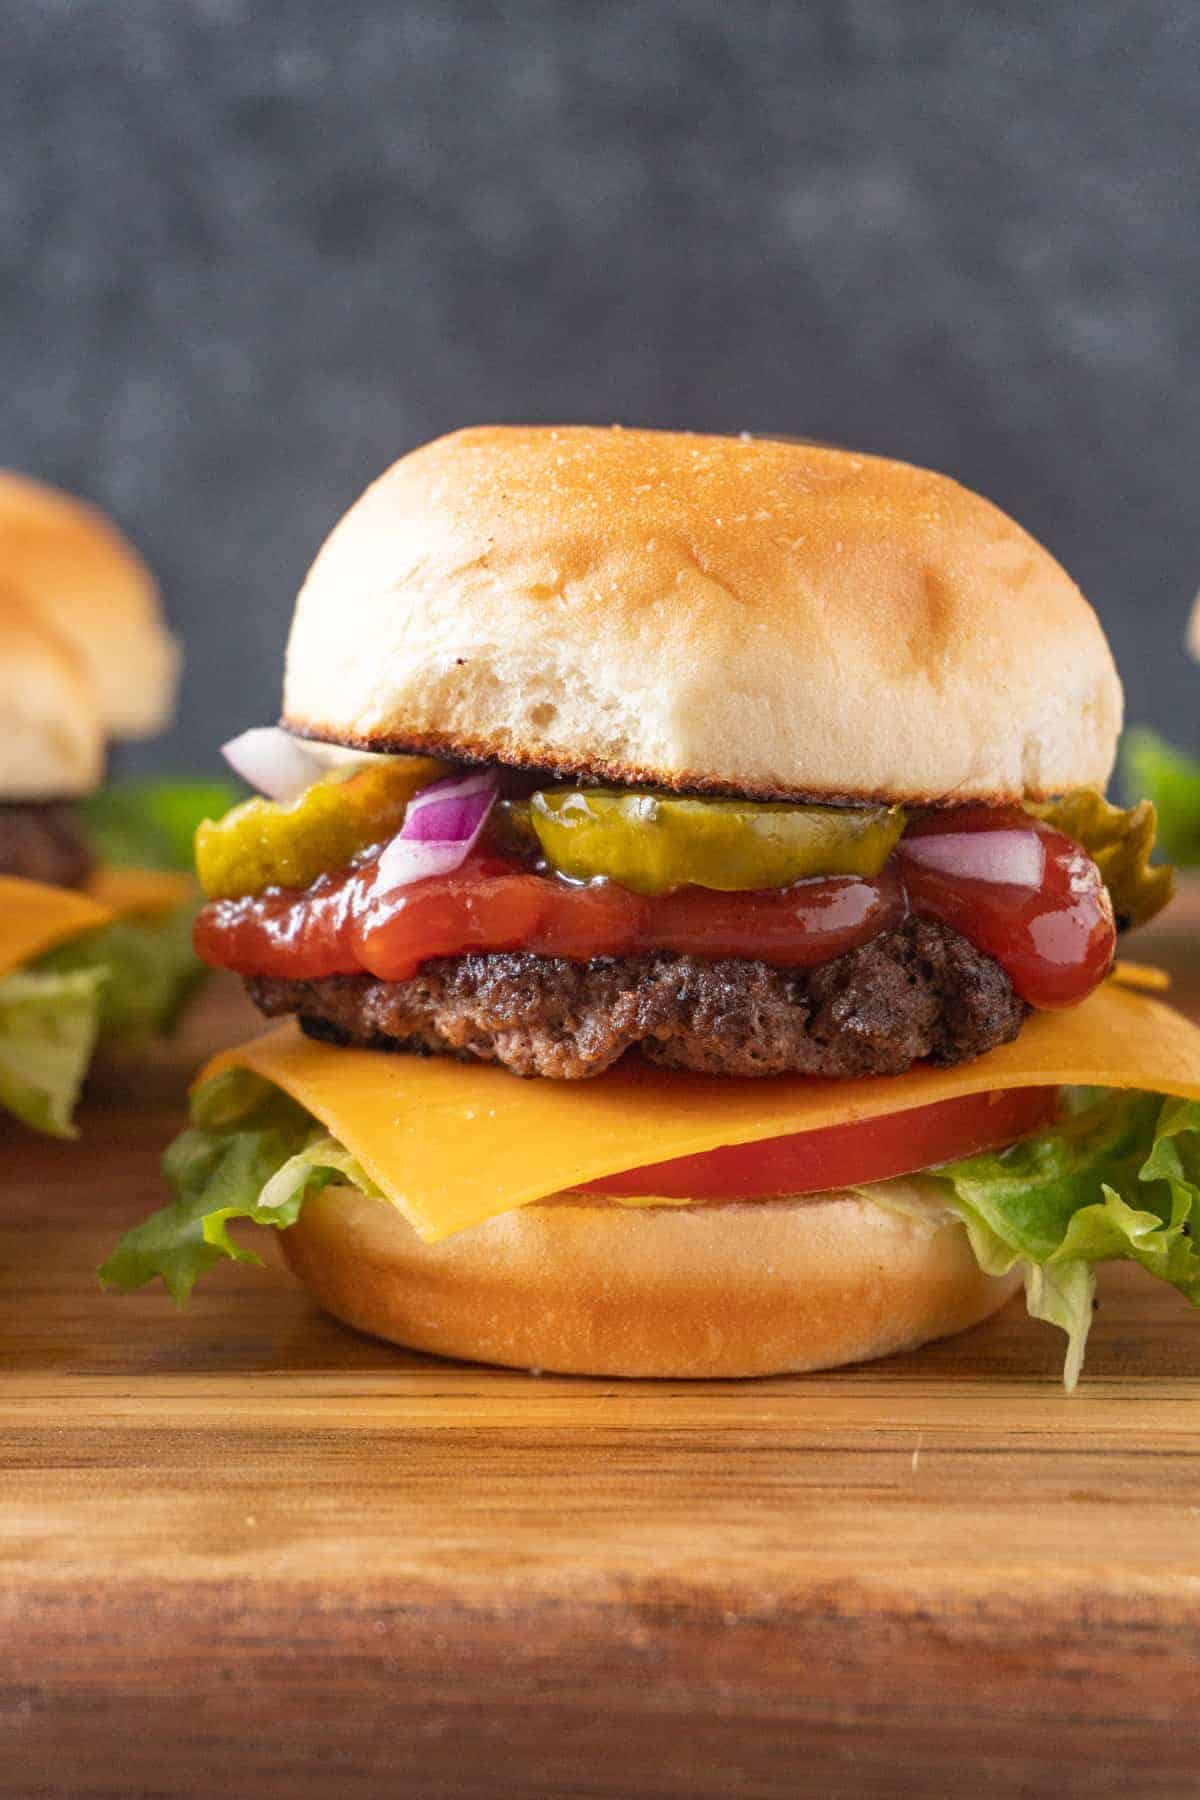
{"x":768,"y":618}
{"x":74,"y":569}
{"x":51,"y":738}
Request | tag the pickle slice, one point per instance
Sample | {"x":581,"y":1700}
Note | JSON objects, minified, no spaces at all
{"x":654,"y":842}
{"x":262,"y":843}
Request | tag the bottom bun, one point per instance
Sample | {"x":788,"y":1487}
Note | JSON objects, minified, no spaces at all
{"x":587,"y":1288}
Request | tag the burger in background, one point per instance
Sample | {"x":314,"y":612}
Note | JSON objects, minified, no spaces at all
{"x":95,"y":909}
{"x":685,"y":874}
{"x":88,"y":586}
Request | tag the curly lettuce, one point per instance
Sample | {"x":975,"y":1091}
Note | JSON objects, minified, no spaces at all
{"x":148,"y":967}
{"x":124,"y":983}
{"x":48,"y":1028}
{"x":1116,"y":1179}
{"x":150,"y":822}
{"x":151,"y":968}
{"x":250,"y":1152}
{"x":145,"y":822}
{"x":121,"y":984}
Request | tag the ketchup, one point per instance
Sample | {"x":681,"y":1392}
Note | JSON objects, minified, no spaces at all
{"x":339,"y":926}
{"x":1017,"y":890}
{"x":1050,"y":928}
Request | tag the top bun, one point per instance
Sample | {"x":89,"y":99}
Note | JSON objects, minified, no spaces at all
{"x":52,"y":741}
{"x":73,"y":568}
{"x":714,"y":614}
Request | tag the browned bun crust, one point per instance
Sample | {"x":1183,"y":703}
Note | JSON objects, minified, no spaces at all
{"x":714,"y":614}
{"x":599,"y":1289}
{"x":74,"y":569}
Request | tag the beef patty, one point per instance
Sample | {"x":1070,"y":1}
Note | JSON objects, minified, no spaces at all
{"x":920,"y":992}
{"x":44,"y":842}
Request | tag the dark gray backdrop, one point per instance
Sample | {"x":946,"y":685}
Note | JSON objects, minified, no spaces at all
{"x":253,"y":251}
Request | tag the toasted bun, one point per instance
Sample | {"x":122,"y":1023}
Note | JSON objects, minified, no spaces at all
{"x":51,"y":738}
{"x":703,"y":613}
{"x":74,"y":568}
{"x":590,"y":1289}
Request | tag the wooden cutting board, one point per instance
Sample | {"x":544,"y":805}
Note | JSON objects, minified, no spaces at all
{"x":244,"y":1551}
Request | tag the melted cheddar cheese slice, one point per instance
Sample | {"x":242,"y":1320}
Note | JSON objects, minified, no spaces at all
{"x":35,"y":917}
{"x":140,"y":893}
{"x":453,"y":1144}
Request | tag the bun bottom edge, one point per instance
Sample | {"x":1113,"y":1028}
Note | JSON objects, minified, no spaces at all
{"x":575,"y":1288}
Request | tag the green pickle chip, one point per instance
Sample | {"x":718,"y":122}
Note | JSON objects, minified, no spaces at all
{"x":654,"y":842}
{"x":263,"y":843}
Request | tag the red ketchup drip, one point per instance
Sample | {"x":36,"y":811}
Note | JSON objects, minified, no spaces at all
{"x":1049,"y":924}
{"x":1015,"y":889}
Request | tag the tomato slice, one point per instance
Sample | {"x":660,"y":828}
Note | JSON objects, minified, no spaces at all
{"x":807,"y":1162}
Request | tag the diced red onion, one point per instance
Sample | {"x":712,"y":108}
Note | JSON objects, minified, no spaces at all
{"x":1017,"y":858}
{"x":273,"y":761}
{"x":440,"y":828}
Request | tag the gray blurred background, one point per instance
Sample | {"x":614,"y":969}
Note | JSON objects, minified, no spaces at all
{"x":252,"y":252}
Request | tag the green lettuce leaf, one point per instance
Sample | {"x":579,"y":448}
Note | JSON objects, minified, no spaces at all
{"x":146,"y":823}
{"x":250,"y":1152}
{"x":1117,"y":1178}
{"x":149,"y":966}
{"x":1171,"y":779}
{"x":149,"y":823}
{"x":1117,"y":1181}
{"x":48,"y":1026}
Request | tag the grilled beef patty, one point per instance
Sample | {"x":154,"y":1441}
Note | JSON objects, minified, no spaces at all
{"x":920,"y":992}
{"x":44,"y":842}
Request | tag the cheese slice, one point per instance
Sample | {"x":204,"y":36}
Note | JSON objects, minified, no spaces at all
{"x":140,"y":893}
{"x":1146,"y":976}
{"x":34,"y":916}
{"x":453,"y":1144}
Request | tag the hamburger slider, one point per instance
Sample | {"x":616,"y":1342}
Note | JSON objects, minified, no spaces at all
{"x":683,"y":876}
{"x":86,"y":950}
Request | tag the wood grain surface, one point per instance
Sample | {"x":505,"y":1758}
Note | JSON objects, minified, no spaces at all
{"x":244,"y":1551}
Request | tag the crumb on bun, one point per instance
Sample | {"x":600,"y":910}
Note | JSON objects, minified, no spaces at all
{"x":762,"y":1288}
{"x":73,"y":568}
{"x":705,"y":613}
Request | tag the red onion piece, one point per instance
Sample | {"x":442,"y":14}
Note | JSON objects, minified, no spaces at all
{"x":273,"y":761}
{"x":1016,"y":858}
{"x":441,"y":825}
